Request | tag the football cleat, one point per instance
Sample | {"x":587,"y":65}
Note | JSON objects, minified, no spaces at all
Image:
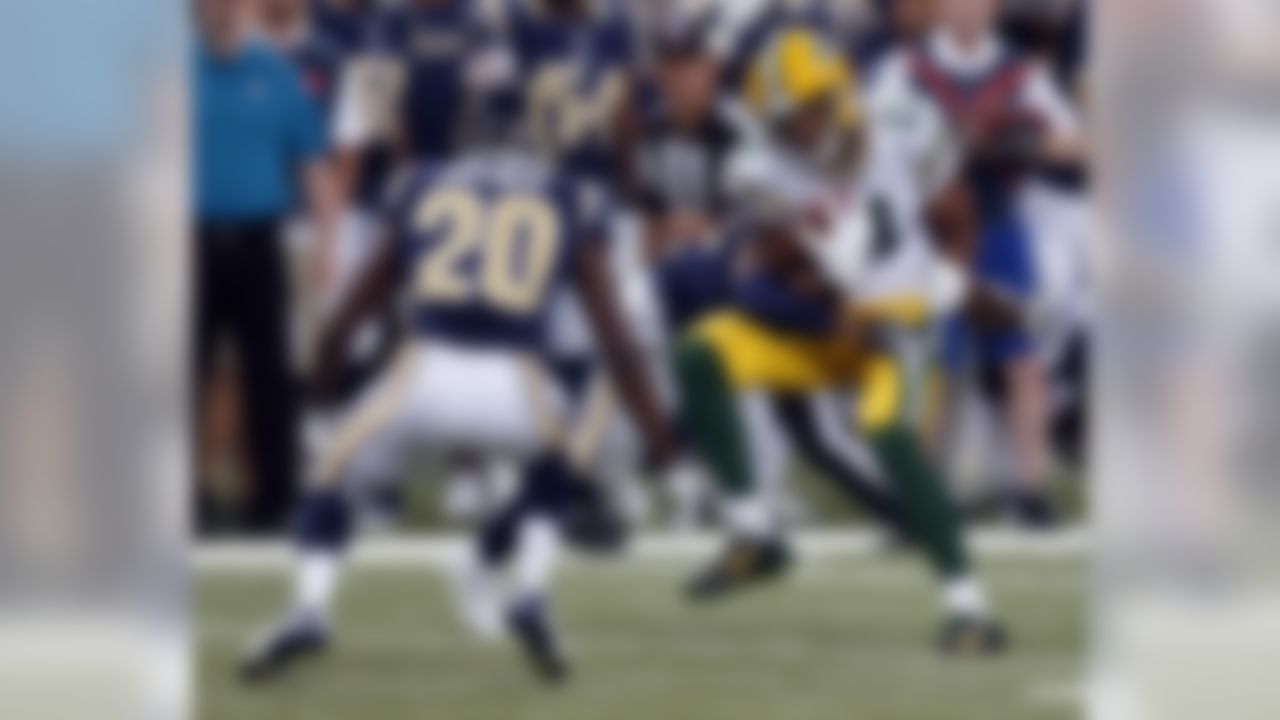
{"x":1033,"y":511}
{"x":743,"y":564}
{"x":531,"y":626}
{"x":972,"y":637}
{"x":591,"y":524}
{"x":478,"y":597}
{"x":300,"y":637}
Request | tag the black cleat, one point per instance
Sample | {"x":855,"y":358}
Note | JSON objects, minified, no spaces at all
{"x":1033,"y":510}
{"x":532,"y":628}
{"x":743,"y":564}
{"x":295,"y":641}
{"x":591,"y":524}
{"x":972,"y":637}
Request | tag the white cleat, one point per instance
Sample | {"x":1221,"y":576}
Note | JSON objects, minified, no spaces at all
{"x":479,"y":599}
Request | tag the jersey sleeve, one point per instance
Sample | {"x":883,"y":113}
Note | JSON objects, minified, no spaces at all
{"x":1043,"y":96}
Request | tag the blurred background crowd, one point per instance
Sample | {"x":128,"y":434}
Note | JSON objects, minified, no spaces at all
{"x":291,"y":162}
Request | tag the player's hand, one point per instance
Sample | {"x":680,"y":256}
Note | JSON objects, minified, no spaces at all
{"x":665,"y":454}
{"x":327,"y":369}
{"x":321,"y":265}
{"x":992,"y":308}
{"x":1009,"y":138}
{"x":859,"y":329}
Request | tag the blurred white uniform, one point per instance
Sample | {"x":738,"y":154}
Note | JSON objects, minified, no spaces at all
{"x":918,"y":138}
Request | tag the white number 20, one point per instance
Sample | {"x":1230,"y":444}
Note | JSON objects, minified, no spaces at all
{"x":513,"y":243}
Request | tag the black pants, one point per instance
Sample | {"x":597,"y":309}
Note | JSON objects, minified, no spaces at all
{"x":242,"y":296}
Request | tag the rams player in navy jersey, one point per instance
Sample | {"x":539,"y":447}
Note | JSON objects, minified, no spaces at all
{"x":572,"y":62}
{"x":485,"y":244}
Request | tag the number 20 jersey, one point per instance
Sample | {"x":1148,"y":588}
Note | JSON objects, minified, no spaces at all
{"x":488,"y":242}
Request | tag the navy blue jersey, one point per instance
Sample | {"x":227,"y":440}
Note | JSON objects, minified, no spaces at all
{"x":344,"y":24}
{"x":573,"y":77}
{"x":435,"y":42}
{"x":488,"y":241}
{"x":695,"y":283}
{"x":691,"y":284}
{"x":332,"y":35}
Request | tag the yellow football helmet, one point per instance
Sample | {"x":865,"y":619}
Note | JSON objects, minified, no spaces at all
{"x":800,"y":78}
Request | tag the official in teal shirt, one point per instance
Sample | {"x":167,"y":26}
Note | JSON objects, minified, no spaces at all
{"x":259,"y":161}
{"x":257,"y":130}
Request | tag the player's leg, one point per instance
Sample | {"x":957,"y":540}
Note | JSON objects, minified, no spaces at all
{"x":270,"y":389}
{"x":1006,"y":260}
{"x":211,"y":302}
{"x":1028,"y":424}
{"x":934,"y":521}
{"x":710,"y":415}
{"x":819,"y":426}
{"x":735,"y":435}
{"x":559,"y":500}
{"x":510,"y":406}
{"x":526,"y":540}
{"x":367,"y":449}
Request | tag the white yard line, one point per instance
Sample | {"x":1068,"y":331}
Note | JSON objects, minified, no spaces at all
{"x":436,"y":550}
{"x":1056,"y":693}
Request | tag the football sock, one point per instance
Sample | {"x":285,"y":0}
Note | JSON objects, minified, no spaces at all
{"x":480,"y":592}
{"x":710,"y":415}
{"x":964,"y":596}
{"x":749,"y":517}
{"x":934,"y":520}
{"x":536,"y":556}
{"x":324,"y":531}
{"x":317,"y":582}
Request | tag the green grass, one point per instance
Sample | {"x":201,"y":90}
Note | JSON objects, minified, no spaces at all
{"x":843,"y":638}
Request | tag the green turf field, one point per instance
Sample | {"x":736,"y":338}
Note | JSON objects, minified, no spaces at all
{"x":845,"y":637}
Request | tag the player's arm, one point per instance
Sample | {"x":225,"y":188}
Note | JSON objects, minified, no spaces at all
{"x":1063,"y":143}
{"x":952,"y":217}
{"x":1040,"y":129}
{"x":623,"y":130}
{"x":370,"y":86}
{"x":371,"y":291}
{"x":325,"y":202}
{"x":596,"y":289}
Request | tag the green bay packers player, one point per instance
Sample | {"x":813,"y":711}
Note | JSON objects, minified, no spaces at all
{"x":821,"y":279}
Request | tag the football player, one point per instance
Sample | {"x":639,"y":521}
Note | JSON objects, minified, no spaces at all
{"x":570,"y":85}
{"x":401,"y":101}
{"x":688,"y":140}
{"x":485,"y":244}
{"x":808,"y":319}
